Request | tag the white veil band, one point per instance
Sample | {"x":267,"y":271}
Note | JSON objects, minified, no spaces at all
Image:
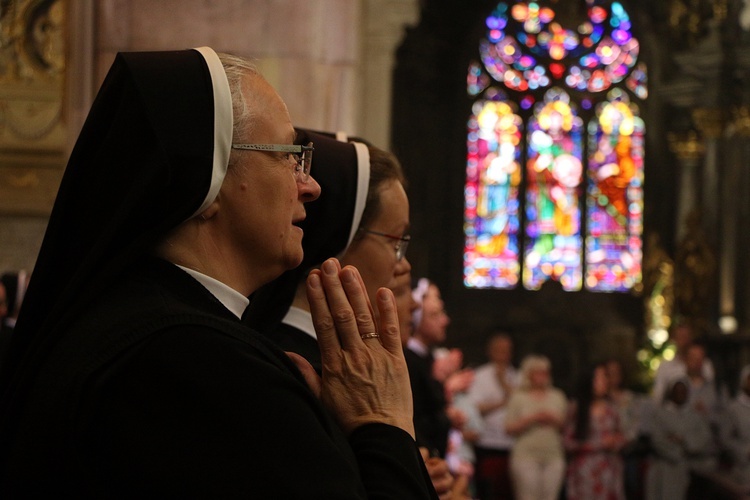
{"x":223,"y":124}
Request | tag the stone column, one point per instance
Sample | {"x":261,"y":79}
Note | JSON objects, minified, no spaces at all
{"x":385,"y":22}
{"x":689,"y":150}
{"x":735,"y":188}
{"x":709,"y":122}
{"x":79,"y":90}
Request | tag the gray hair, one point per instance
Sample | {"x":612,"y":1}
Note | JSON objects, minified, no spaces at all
{"x":529,"y":364}
{"x":236,"y":68}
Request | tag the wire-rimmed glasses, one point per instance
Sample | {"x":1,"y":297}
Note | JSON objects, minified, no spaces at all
{"x":302,"y":156}
{"x":402,"y":242}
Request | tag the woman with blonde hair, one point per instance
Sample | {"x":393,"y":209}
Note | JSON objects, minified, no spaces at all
{"x":536,"y":416}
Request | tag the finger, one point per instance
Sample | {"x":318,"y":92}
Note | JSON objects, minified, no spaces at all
{"x":339,"y":305}
{"x":356,"y":292}
{"x":308,"y":372}
{"x":367,"y":297}
{"x":328,"y":340}
{"x":390,"y":333}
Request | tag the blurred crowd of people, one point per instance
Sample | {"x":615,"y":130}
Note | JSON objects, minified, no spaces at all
{"x":508,"y":432}
{"x":196,"y":345}
{"x":505,"y":432}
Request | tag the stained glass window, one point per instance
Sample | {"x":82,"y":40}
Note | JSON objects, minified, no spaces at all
{"x":553,"y":176}
{"x":493,"y":174}
{"x":614,"y":195}
{"x":538,"y":182}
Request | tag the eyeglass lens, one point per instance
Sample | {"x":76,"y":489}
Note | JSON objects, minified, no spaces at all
{"x":304,"y":161}
{"x":401,"y":249}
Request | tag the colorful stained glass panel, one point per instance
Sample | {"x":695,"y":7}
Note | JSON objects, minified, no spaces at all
{"x":553,"y":177}
{"x":614,"y":199}
{"x":493,"y":176}
{"x":528,"y":51}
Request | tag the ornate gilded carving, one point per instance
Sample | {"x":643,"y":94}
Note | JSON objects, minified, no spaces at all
{"x":32,"y":40}
{"x":658,"y":302}
{"x":689,"y":20}
{"x":709,"y":121}
{"x":658,"y":290}
{"x":695,"y":272}
{"x":32,"y":68}
{"x":741,"y":121}
{"x":686,"y":146}
{"x":23,"y":181}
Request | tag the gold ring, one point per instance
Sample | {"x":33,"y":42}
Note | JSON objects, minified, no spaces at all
{"x":372,"y":335}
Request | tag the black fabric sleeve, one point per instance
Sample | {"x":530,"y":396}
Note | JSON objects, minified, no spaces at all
{"x":193,"y":413}
{"x":431,"y":423}
{"x":390,"y":463}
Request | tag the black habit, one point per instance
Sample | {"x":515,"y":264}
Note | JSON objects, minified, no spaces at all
{"x":126,"y":377}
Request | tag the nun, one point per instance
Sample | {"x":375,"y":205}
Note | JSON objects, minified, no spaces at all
{"x":131,"y":374}
{"x":362,"y":218}
{"x":342,"y":168}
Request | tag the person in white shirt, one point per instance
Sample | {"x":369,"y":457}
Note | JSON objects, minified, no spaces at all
{"x":494,"y":383}
{"x":669,"y":370}
{"x":738,"y":431}
{"x":536,"y":417}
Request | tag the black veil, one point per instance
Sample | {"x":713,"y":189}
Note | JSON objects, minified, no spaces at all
{"x":153,"y":151}
{"x":342,"y":168}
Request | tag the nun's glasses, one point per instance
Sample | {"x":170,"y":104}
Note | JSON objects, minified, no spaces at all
{"x":301,"y":155}
{"x":402,"y":242}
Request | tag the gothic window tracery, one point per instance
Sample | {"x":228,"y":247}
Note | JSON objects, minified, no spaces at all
{"x":555,"y":150}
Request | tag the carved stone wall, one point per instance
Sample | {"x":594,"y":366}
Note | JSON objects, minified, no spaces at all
{"x":33,"y":125}
{"x":330,"y":60}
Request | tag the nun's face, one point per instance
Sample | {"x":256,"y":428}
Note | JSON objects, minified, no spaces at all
{"x":375,"y":255}
{"x":405,"y":304}
{"x":262,"y":198}
{"x":433,"y":327}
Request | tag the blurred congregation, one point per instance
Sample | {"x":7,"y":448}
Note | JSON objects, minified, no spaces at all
{"x":510,"y":433}
{"x":576,"y":323}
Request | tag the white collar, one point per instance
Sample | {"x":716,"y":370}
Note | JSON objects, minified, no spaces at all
{"x":418,"y":346}
{"x":301,"y":320}
{"x":228,"y":296}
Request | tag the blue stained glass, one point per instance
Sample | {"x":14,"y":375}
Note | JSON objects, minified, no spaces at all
{"x":491,"y":247}
{"x":615,"y":168}
{"x":617,"y":9}
{"x":596,"y":35}
{"x":554,"y":170}
{"x":522,"y":40}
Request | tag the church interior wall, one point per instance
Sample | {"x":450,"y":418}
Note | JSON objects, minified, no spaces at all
{"x":332,"y":60}
{"x":685,"y":171}
{"x":326,"y":58}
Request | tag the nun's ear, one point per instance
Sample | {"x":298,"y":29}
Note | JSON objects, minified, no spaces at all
{"x":209,"y":212}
